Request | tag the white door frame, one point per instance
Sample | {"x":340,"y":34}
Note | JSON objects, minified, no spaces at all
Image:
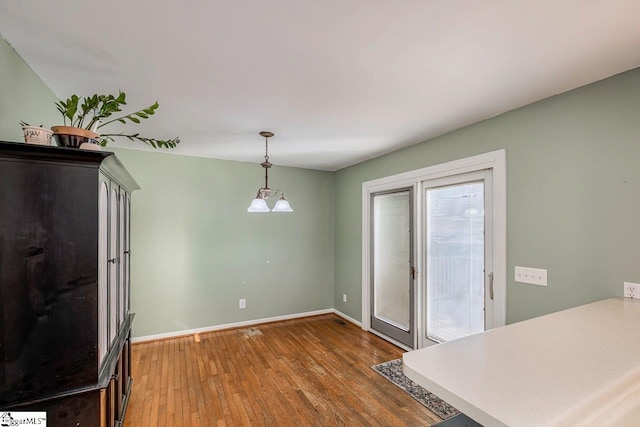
{"x":495,"y":160}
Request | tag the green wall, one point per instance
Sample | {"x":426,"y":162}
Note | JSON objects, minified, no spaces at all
{"x":573,"y":202}
{"x":196,"y":250}
{"x":23,"y":96}
{"x":573,"y":195}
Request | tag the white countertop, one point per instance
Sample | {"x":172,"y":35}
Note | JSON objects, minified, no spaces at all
{"x":574,"y":367}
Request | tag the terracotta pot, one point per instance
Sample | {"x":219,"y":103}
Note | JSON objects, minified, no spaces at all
{"x":67,"y":136}
{"x":37,"y":135}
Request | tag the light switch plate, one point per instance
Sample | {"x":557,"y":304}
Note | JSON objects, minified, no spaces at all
{"x":532,"y":276}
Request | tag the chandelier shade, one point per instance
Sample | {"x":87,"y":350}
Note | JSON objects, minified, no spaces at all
{"x":258,"y":205}
{"x":282,"y":206}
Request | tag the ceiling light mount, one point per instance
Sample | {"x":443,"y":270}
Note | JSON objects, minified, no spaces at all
{"x":265,"y":193}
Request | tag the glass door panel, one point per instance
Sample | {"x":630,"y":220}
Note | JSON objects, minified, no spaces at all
{"x":455,"y":259}
{"x":392,"y":253}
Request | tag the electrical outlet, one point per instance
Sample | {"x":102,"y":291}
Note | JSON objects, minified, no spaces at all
{"x":632,"y":290}
{"x":532,"y":276}
{"x":344,"y":297}
{"x":242,"y":303}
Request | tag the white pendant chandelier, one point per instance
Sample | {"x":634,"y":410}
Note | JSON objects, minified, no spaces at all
{"x":259,"y":204}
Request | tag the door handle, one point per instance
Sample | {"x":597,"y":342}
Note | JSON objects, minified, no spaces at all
{"x":491,"y":285}
{"x":414,"y":272}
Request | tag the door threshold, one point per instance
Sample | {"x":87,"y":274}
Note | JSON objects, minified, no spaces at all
{"x":391,"y":340}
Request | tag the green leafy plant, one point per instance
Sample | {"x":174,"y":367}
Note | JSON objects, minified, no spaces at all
{"x":91,"y":113}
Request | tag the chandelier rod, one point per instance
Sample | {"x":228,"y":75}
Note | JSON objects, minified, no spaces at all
{"x":266,"y":164}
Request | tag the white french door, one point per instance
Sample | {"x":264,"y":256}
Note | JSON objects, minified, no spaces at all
{"x":457,"y":252}
{"x":457,"y":243}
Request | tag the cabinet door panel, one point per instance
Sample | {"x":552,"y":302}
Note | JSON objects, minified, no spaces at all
{"x":127,"y":258}
{"x":103,"y":265}
{"x":113,"y":263}
{"x":121,"y":255}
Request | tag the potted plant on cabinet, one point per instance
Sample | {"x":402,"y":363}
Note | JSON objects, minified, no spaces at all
{"x":84,"y":118}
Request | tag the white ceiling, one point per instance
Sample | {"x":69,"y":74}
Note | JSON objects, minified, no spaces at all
{"x":338,"y":81}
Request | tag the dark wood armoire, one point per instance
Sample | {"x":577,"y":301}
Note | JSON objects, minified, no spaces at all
{"x":65,"y":323}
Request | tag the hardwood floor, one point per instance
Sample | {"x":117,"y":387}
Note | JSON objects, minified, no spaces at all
{"x":314,"y":371}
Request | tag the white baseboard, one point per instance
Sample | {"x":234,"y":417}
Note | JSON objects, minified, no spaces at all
{"x":240,"y":325}
{"x":345,"y":317}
